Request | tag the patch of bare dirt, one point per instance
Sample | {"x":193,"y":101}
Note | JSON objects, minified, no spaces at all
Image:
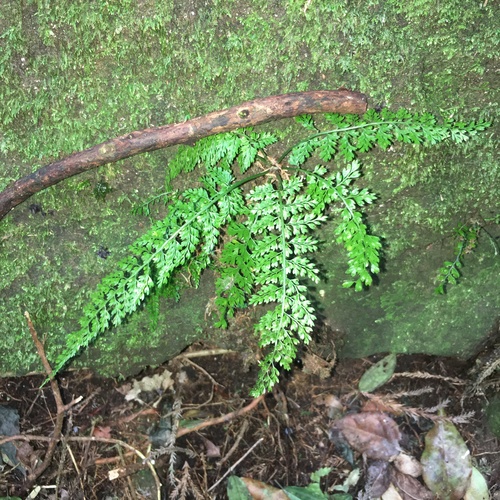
{"x":191,"y":424}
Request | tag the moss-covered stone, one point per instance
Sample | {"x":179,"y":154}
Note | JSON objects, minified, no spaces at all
{"x":493,"y":416}
{"x":72,"y":75}
{"x":403,"y":314}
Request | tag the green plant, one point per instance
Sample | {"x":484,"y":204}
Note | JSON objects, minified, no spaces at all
{"x":467,"y":236}
{"x":261,"y":240}
{"x":239,"y":488}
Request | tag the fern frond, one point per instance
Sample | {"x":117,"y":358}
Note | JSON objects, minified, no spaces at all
{"x":307,"y":122}
{"x":236,"y":279}
{"x":250,"y":144}
{"x":193,"y":225}
{"x":353,"y":134}
{"x":264,"y":255}
{"x":209,"y":151}
{"x":145,"y":207}
{"x":449,"y":273}
{"x":363,"y":249}
{"x":279,"y":220}
{"x":220,"y":150}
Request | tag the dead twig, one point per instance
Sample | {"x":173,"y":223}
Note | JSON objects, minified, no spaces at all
{"x":112,"y":460}
{"x":236,"y":464}
{"x":205,"y":352}
{"x":202,"y":370}
{"x":61,"y":407}
{"x":57,"y":434}
{"x":86,"y":439}
{"x":75,"y":465}
{"x":247,"y":114}
{"x":220,"y":420}
{"x":239,"y":437}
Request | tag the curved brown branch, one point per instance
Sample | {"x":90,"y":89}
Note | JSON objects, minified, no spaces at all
{"x":247,"y":114}
{"x":61,"y":407}
{"x":221,"y":420}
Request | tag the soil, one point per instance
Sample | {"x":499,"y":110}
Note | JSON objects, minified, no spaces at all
{"x":280,"y":441}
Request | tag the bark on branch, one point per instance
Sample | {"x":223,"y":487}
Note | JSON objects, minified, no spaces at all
{"x":247,"y":114}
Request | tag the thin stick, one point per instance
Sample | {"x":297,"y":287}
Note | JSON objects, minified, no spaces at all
{"x":61,"y":408}
{"x":86,"y":439}
{"x":205,"y":352}
{"x":78,"y":473}
{"x":247,"y":114}
{"x":239,"y":437}
{"x":219,"y":420}
{"x":202,"y":370}
{"x":236,"y":464}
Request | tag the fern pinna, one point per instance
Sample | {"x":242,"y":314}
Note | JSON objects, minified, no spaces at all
{"x":269,"y":230}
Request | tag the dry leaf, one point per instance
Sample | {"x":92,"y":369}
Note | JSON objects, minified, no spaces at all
{"x":391,"y":494}
{"x":27,"y":455}
{"x":158,"y":383}
{"x":334,"y":406}
{"x":408,"y":487}
{"x":408,"y":465}
{"x":123,"y":389}
{"x":446,"y":462}
{"x":212,"y":450}
{"x":328,"y":400}
{"x":374,"y":434}
{"x":263,"y":491}
{"x":316,"y":366}
{"x":377,"y":478}
{"x":102,"y":432}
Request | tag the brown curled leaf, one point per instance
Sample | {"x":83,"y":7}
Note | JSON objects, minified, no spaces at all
{"x":374,"y":434}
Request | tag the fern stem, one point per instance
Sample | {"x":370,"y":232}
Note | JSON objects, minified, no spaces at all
{"x":327,"y":132}
{"x":137,"y":210}
{"x":342,"y":198}
{"x":283,"y":252}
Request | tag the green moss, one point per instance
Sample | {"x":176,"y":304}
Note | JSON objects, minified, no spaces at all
{"x":72,"y":75}
{"x":402,"y":313}
{"x":493,"y":416}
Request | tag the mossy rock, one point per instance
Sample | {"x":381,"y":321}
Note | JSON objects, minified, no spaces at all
{"x":493,"y":416}
{"x":77,"y":74}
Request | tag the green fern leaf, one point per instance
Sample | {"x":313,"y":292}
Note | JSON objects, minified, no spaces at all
{"x":307,"y":122}
{"x":193,"y":224}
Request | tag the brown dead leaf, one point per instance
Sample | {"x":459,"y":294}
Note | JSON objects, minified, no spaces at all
{"x":212,"y":450}
{"x":391,"y":494}
{"x":328,"y":400}
{"x":159,"y":382}
{"x":102,"y":432}
{"x":124,"y":389}
{"x":377,"y":478}
{"x":334,"y":406}
{"x":407,"y":464}
{"x":27,"y":455}
{"x":408,"y":487}
{"x":263,"y":491}
{"x":316,"y":366}
{"x":374,"y":434}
